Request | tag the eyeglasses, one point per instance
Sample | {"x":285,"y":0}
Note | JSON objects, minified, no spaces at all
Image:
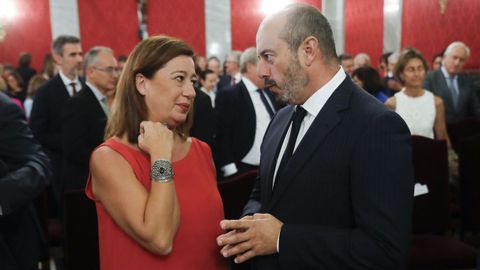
{"x":111,"y":70}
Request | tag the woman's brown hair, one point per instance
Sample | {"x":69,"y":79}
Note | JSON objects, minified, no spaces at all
{"x":129,"y":108}
{"x":407,"y":55}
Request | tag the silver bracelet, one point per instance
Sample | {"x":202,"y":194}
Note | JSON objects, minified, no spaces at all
{"x":162,"y":171}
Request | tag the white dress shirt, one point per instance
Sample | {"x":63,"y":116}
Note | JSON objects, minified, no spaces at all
{"x":262,"y":121}
{"x":67,"y":82}
{"x":211,"y":94}
{"x":313,"y":105}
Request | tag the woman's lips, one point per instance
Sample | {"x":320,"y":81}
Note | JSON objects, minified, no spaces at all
{"x":184,"y":106}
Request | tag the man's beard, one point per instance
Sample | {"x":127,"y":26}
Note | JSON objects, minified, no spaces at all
{"x":294,"y":81}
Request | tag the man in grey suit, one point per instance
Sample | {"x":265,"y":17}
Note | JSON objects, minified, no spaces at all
{"x":456,"y":89}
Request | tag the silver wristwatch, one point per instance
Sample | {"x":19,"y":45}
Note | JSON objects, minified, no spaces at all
{"x":162,"y":171}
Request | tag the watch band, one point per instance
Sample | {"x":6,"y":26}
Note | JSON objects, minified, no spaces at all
{"x":162,"y":171}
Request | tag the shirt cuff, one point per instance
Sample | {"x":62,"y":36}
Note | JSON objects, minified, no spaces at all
{"x":229,"y":169}
{"x":278,"y":241}
{"x":1,"y":211}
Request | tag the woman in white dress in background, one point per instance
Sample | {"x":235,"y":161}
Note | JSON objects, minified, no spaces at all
{"x":423,"y":112}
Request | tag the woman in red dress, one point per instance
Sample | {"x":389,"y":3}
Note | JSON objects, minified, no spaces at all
{"x":154,"y":187}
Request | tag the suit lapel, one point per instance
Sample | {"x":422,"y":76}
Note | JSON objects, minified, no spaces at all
{"x":269,"y":156}
{"x":92,"y":99}
{"x":447,"y":94}
{"x":326,"y":120}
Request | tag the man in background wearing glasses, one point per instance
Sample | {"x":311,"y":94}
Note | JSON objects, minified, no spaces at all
{"x":85,"y":115}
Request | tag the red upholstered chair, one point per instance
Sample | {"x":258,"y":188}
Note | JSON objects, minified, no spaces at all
{"x":81,"y":232}
{"x":432,"y":248}
{"x":235,"y":192}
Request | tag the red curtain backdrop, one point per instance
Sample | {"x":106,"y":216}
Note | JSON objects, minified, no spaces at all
{"x":111,"y":23}
{"x":426,"y":29}
{"x":364,"y":28}
{"x":246,"y":16}
{"x":28,"y":31}
{"x":182,"y":19}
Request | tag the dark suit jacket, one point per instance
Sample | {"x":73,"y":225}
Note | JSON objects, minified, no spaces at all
{"x":468,"y":104}
{"x":24,"y":172}
{"x":46,"y":117}
{"x":345,"y":197}
{"x":236,"y":123}
{"x":83,"y":128}
{"x":204,"y":125}
{"x":224,"y":81}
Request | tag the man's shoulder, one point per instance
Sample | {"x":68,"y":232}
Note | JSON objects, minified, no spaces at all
{"x":51,"y":86}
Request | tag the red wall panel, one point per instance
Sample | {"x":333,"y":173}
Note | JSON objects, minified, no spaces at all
{"x":182,"y":19}
{"x":429,"y":31}
{"x":246,"y":16}
{"x":28,"y":31}
{"x":364,"y":28}
{"x":111,"y":23}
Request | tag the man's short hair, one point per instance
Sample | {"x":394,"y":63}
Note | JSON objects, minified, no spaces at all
{"x":303,"y":21}
{"x":25,"y":59}
{"x":361,"y":56}
{"x":235,"y":56}
{"x":249,"y":56}
{"x":203,"y":74}
{"x":457,"y":44}
{"x":91,"y":56}
{"x":60,"y":41}
{"x":345,"y":56}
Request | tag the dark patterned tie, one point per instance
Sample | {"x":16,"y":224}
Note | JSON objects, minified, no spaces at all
{"x":296,"y":123}
{"x":74,"y":88}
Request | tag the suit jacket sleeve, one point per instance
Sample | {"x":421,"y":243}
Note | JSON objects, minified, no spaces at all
{"x":27,"y":167}
{"x":40,"y":121}
{"x":226,"y":119}
{"x":75,"y":132}
{"x":382,"y":196}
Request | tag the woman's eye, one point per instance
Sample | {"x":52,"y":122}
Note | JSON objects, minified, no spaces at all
{"x":194,"y":82}
{"x":179,"y":78}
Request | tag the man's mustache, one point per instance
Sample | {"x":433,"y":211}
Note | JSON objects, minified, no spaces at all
{"x":269,"y":83}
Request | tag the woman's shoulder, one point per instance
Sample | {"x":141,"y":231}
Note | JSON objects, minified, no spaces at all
{"x":201,"y":146}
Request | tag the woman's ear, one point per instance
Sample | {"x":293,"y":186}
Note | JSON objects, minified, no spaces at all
{"x":140,"y":83}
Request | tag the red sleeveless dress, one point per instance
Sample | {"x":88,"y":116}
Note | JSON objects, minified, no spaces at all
{"x":201,"y":210}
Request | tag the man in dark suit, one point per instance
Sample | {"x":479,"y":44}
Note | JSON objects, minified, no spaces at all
{"x":85,"y":116}
{"x":335,"y":186}
{"x":204,"y":119}
{"x":457,"y":90}
{"x":24,"y":173}
{"x":243,"y":118}
{"x":46,"y":116}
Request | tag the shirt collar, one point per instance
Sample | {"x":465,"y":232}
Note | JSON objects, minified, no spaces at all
{"x":67,"y":81}
{"x":446,"y":74}
{"x":315,"y":103}
{"x":251,"y":87}
{"x":95,"y":91}
{"x":238,"y":77}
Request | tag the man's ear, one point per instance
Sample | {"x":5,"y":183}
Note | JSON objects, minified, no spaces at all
{"x":309,"y":50}
{"x":57,"y":58}
{"x":140,"y":83}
